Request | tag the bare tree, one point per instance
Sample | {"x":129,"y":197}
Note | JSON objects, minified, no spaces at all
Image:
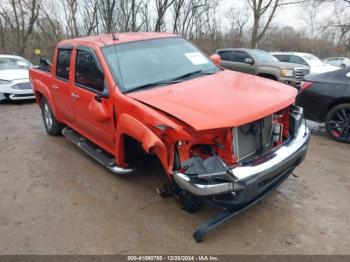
{"x":177,"y":7}
{"x":341,"y":24}
{"x":49,"y":24}
{"x":311,"y":9}
{"x":238,"y":19}
{"x":70,"y":8}
{"x":107,"y":9}
{"x":20,"y":16}
{"x":188,"y":15}
{"x":90,"y":16}
{"x":145,"y":16}
{"x":3,"y":35}
{"x":267,"y":9}
{"x":128,"y":14}
{"x":161,"y":7}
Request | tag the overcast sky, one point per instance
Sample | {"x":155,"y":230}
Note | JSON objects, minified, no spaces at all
{"x":290,"y":15}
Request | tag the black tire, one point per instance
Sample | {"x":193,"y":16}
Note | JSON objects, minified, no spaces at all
{"x":342,"y":65}
{"x":338,"y":123}
{"x":52,"y":126}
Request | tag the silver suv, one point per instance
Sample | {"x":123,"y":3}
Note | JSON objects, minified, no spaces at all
{"x":261,"y":63}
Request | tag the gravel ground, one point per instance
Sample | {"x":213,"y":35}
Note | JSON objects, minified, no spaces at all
{"x":56,"y":200}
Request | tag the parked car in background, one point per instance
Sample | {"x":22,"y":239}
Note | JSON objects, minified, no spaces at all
{"x":221,"y":136}
{"x":14,"y":78}
{"x":261,"y":63}
{"x":326,"y":98}
{"x":338,"y":61}
{"x":316,"y":65}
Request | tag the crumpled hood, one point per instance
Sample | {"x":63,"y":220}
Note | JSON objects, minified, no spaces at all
{"x":14,"y":74}
{"x":225,"y":99}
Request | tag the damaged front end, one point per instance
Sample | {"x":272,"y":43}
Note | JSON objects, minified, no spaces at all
{"x":238,"y":166}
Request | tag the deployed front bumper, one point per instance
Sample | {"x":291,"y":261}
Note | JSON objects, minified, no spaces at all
{"x":250,"y":180}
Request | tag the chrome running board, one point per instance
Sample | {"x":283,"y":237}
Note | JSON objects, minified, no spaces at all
{"x":97,"y":153}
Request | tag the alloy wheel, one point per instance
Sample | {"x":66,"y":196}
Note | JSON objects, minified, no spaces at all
{"x":47,"y":116}
{"x":339,"y":125}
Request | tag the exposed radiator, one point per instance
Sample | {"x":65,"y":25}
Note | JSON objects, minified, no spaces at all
{"x":246,"y":138}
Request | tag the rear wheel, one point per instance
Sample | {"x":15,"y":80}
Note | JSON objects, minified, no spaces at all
{"x":52,"y":126}
{"x":338,"y":123}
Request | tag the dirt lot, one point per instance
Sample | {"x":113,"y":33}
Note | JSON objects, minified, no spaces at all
{"x":56,"y":200}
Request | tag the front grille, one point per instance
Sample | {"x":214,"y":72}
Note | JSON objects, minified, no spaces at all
{"x":246,"y":142}
{"x":300,"y":73}
{"x":22,"y":95}
{"x":22,"y":86}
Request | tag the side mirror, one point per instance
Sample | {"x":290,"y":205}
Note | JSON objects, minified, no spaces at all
{"x":102,"y":95}
{"x":249,"y":61}
{"x":216,"y":59}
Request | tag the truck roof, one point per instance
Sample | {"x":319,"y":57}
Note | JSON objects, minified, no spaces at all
{"x":107,"y":39}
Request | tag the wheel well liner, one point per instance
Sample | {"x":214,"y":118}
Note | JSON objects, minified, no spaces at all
{"x":343,"y":100}
{"x":269,"y":76}
{"x":130,"y":126}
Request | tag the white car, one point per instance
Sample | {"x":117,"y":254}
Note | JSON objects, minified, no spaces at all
{"x":14,"y":78}
{"x":338,"y":61}
{"x":316,"y":65}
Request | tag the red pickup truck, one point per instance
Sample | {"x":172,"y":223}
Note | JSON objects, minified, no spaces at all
{"x":221,"y":136}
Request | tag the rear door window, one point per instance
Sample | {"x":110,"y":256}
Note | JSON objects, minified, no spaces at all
{"x":226,"y":55}
{"x":63,"y":62}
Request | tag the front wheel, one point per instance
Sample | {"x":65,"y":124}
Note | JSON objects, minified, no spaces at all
{"x":52,"y":126}
{"x":338,"y":123}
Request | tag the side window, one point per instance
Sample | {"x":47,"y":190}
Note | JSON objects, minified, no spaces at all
{"x":282,"y":58}
{"x":240,"y":56}
{"x":297,"y":60}
{"x":226,"y":55}
{"x":63,"y":62}
{"x":87,"y":72}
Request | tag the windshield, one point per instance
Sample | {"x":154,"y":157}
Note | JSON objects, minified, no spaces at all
{"x":14,"y":63}
{"x":313,"y":60}
{"x":263,"y":56}
{"x":157,"y":61}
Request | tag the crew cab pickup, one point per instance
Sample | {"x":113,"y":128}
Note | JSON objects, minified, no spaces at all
{"x":221,"y":136}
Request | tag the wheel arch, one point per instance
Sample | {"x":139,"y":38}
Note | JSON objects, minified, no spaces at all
{"x":338,"y":101}
{"x":150,"y":142}
{"x":41,"y":90}
{"x":268,"y":76}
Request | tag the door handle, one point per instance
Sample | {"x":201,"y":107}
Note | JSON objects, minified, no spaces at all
{"x":74,"y":95}
{"x":55,"y":87}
